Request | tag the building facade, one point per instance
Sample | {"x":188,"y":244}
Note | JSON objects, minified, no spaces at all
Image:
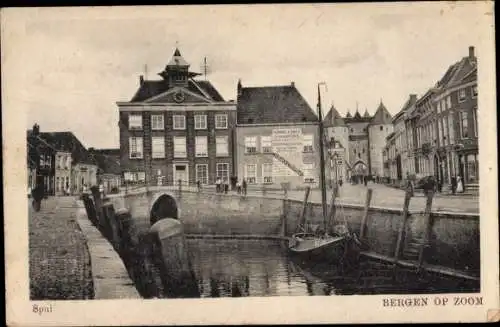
{"x":337,"y":133}
{"x":109,"y":170}
{"x":361,"y":140}
{"x":176,"y":129}
{"x":277,"y":137}
{"x":63,"y":173}
{"x":456,"y":153}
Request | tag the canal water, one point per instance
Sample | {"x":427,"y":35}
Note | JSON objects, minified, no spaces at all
{"x":238,"y":268}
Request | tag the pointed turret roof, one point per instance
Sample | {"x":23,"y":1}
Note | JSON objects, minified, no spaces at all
{"x":382,"y":115}
{"x":177,"y":60}
{"x":333,"y":118}
{"x":357,"y":115}
{"x":348,"y":114}
{"x":366,"y":114}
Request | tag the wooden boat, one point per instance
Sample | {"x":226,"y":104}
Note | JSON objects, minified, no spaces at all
{"x":320,"y":246}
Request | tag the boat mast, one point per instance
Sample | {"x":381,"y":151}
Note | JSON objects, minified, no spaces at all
{"x":322,"y":160}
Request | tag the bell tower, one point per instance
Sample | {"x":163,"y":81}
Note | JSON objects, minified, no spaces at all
{"x":176,"y":73}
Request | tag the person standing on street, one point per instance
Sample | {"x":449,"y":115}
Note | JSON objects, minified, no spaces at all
{"x":453,"y":184}
{"x":244,"y":186}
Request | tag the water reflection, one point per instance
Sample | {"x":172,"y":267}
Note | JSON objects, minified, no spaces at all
{"x":240,"y":268}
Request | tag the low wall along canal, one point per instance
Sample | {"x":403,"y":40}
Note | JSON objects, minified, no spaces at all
{"x":452,"y":248}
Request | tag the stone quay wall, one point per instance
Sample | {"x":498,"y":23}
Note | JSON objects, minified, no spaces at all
{"x":453,"y":244}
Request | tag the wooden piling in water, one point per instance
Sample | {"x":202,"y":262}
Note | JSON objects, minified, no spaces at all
{"x":402,"y":226}
{"x":428,"y":228}
{"x":362,"y":231}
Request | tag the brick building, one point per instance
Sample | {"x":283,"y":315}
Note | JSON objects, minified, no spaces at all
{"x":276,"y":137}
{"x":176,"y":128}
{"x":456,"y":131}
{"x":109,"y":170}
{"x":60,"y":161}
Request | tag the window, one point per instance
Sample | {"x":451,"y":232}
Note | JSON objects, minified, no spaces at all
{"x":381,"y":128}
{"x":58,"y":184}
{"x":438,"y":107}
{"x":180,"y":147}
{"x":445,"y":130}
{"x":448,"y":102}
{"x":250,"y":144}
{"x":202,"y":174}
{"x":222,"y":171}
{"x":451,"y":131}
{"x":307,"y":140}
{"x":267,"y":173}
{"x":157,"y":122}
{"x":464,"y":126}
{"x":200,"y":122}
{"x":251,"y":174}
{"x":440,"y":133}
{"x":461,"y":95}
{"x":308,"y":169}
{"x":220,"y":121}
{"x":221,"y":146}
{"x":179,"y":122}
{"x":474,"y":91}
{"x":266,"y":144}
{"x":135,"y":176}
{"x":201,"y":146}
{"x":474,"y":118}
{"x":68,"y":162}
{"x":135,"y":147}
{"x":135,"y":121}
{"x":158,"y":147}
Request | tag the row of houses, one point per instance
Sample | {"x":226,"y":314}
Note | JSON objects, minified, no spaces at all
{"x":437,"y":134}
{"x":179,"y":128}
{"x":62,"y":165}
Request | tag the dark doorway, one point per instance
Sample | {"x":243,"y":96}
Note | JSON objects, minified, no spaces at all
{"x":399,"y":169}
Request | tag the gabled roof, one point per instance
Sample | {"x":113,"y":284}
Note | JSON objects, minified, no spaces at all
{"x":382,"y":115}
{"x":68,"y":142}
{"x":333,"y":118}
{"x":273,"y":105}
{"x":412,"y":99}
{"x":457,"y":72}
{"x":150,"y":89}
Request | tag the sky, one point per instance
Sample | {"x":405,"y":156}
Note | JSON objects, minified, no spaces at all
{"x":69,"y":66}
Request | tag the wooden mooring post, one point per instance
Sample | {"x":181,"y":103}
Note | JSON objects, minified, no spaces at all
{"x":362,"y":230}
{"x":428,"y":229}
{"x":402,"y":226}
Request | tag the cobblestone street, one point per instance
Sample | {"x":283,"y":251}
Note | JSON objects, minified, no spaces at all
{"x":59,"y":262}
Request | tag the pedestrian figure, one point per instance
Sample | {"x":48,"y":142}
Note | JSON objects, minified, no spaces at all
{"x":226,"y":186}
{"x":365,"y":180}
{"x":460,"y":185}
{"x":218,"y":185}
{"x":244,"y":186}
{"x":198,"y":185}
{"x":340,"y":182}
{"x":37,"y":195}
{"x":238,"y":186}
{"x":453,"y":184}
{"x":101,"y":190}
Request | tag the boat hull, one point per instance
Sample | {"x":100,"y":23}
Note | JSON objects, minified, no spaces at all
{"x":325,"y":251}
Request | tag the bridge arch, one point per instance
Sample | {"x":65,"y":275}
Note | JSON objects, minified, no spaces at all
{"x":164,"y":206}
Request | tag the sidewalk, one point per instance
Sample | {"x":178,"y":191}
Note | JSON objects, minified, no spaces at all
{"x":59,"y":261}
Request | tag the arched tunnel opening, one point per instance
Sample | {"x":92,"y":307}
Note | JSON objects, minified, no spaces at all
{"x":164,"y":207}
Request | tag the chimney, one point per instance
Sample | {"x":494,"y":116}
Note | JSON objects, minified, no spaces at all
{"x":239,"y":87}
{"x":292,"y":84}
{"x":141,"y":80}
{"x":471,"y":53}
{"x":413,"y":97}
{"x":36,"y":129}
